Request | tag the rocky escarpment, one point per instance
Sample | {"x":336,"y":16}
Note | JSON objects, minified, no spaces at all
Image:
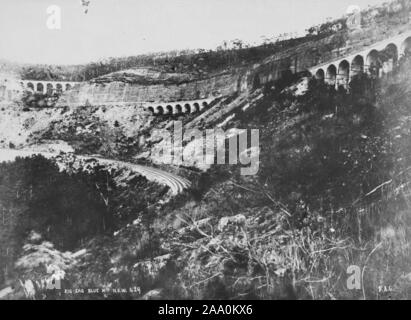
{"x":127,"y":88}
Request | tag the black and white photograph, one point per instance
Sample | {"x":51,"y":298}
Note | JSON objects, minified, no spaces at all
{"x":205,"y":150}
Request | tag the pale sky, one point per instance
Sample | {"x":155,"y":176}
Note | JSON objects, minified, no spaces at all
{"x":114,"y":28}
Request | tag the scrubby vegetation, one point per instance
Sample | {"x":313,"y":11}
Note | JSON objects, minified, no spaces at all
{"x":39,"y":100}
{"x":51,"y":212}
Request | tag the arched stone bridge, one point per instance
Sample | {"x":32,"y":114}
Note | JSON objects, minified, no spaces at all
{"x":180,"y":107}
{"x":376,"y":60}
{"x":11,"y":88}
{"x":48,"y":87}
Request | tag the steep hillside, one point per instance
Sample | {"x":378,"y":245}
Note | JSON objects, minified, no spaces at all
{"x":332,"y":191}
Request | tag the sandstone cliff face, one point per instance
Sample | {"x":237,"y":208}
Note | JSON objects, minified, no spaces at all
{"x":127,"y":93}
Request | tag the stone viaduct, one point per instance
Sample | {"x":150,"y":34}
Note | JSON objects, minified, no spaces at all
{"x":180,"y":107}
{"x":11,"y":89}
{"x":376,"y":60}
{"x":48,"y":87}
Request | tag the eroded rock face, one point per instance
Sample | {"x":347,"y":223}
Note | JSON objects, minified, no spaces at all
{"x":145,"y":76}
{"x":123,"y":93}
